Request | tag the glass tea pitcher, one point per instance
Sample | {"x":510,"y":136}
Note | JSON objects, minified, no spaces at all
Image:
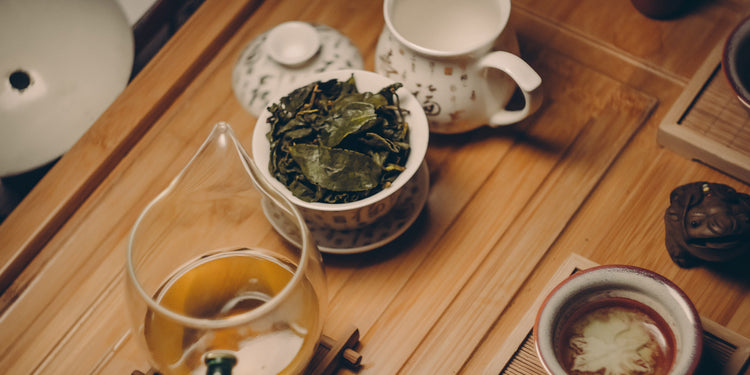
{"x":211,"y":288}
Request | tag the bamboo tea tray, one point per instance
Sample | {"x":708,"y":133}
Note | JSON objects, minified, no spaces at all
{"x":724,"y":351}
{"x":708,"y":123}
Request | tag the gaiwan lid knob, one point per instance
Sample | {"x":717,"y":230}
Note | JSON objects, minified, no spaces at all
{"x":272,"y":63}
{"x":293,"y":43}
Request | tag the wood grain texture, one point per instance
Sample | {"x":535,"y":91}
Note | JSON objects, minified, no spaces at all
{"x":584,"y":175}
{"x":549,"y":182}
{"x":672,"y":48}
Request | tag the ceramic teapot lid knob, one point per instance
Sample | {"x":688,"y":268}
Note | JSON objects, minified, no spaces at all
{"x":293,"y":43}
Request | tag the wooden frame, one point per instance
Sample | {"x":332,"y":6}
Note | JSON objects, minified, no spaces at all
{"x":692,"y":144}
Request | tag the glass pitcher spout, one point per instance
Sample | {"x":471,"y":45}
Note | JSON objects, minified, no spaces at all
{"x":219,"y":147}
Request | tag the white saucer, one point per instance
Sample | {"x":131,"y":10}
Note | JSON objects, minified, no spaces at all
{"x":375,"y":235}
{"x":257,"y":77}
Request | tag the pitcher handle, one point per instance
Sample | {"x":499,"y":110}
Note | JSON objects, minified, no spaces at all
{"x":527,"y":79}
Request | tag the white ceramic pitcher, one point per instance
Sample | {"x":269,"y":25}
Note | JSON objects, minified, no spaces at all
{"x":460,"y":59}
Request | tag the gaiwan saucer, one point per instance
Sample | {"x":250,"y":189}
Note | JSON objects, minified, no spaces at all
{"x":370,"y":237}
{"x":274,"y":61}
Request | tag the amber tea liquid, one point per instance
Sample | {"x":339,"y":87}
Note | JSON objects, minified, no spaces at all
{"x":617,"y":336}
{"x":224,"y":285}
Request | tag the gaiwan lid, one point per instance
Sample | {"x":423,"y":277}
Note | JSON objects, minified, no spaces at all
{"x":273,"y":62}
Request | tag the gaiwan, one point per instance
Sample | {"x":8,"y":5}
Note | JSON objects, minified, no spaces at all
{"x":341,"y":146}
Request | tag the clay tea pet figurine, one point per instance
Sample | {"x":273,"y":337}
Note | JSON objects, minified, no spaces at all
{"x":707,"y":222}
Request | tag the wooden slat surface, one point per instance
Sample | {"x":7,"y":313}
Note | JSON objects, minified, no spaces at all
{"x":584,"y":175}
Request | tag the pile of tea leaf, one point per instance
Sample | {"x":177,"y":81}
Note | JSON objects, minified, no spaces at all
{"x":333,"y":144}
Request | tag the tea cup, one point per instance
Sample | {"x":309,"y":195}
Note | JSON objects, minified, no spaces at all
{"x":460,"y":59}
{"x":618,"y":319}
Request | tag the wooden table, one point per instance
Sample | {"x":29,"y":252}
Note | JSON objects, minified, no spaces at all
{"x":584,"y":176}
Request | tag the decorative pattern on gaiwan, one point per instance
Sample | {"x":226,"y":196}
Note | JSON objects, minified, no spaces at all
{"x":257,"y":78}
{"x":386,"y":229}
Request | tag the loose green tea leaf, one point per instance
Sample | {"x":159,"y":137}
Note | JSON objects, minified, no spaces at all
{"x":336,"y":169}
{"x":351,"y":119}
{"x":330,"y":143}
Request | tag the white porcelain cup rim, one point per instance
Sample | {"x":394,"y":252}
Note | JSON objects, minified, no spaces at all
{"x":485,"y":44}
{"x":475,"y":97}
{"x":634,"y":280}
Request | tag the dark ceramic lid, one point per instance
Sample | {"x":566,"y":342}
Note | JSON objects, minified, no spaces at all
{"x":736,"y":60}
